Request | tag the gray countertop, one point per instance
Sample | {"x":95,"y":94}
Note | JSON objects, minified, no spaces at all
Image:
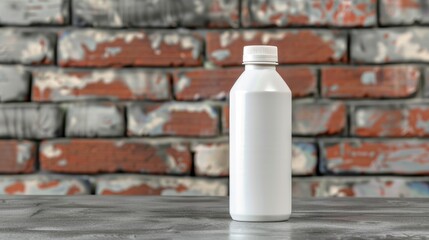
{"x":97,"y":217}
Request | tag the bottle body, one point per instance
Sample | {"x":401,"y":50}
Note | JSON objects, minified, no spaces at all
{"x":260,"y":146}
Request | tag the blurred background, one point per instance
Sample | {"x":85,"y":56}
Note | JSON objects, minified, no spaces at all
{"x":131,"y":97}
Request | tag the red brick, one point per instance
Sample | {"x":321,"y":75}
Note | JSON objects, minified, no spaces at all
{"x":17,"y":156}
{"x":309,"y":13}
{"x":107,"y":155}
{"x":180,"y":119}
{"x":318,"y":118}
{"x":225,"y":118}
{"x":370,"y":82}
{"x":126,"y":184}
{"x":296,"y":46}
{"x":43,"y":185}
{"x":59,"y":85}
{"x":392,"y":187}
{"x":375,"y":156}
{"x":216,"y":84}
{"x":103,"y":48}
{"x":391,"y":121}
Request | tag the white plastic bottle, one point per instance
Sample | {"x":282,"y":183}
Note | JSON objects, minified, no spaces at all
{"x":260,"y":140}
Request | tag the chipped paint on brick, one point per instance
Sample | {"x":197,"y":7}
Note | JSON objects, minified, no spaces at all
{"x":211,"y":159}
{"x":391,"y":187}
{"x":182,"y":83}
{"x":318,"y":118}
{"x":390,"y":45}
{"x":204,"y":84}
{"x":107,"y":155}
{"x":24,"y":12}
{"x":136,"y":48}
{"x":402,"y":12}
{"x":160,"y":119}
{"x":14,"y":83}
{"x":25,"y":152}
{"x":94,"y":120}
{"x":370,"y":82}
{"x":17,"y":156}
{"x":368,"y":78}
{"x":74,"y":44}
{"x":221,"y":55}
{"x":26,"y":47}
{"x":160,"y":185}
{"x":360,"y":156}
{"x":298,"y":46}
{"x":391,"y":120}
{"x":30,"y":121}
{"x":41,"y":185}
{"x":136,"y":13}
{"x":308,"y":13}
{"x":304,"y":159}
{"x":63,"y":85}
{"x":50,"y":151}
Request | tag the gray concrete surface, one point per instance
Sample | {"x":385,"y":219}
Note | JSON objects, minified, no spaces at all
{"x":96,"y":217}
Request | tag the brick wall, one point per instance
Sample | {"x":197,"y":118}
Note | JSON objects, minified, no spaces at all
{"x":130,"y":97}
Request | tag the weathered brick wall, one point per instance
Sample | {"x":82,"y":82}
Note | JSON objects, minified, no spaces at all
{"x":130,"y":97}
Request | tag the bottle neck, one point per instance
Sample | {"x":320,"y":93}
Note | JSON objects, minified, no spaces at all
{"x":259,"y":67}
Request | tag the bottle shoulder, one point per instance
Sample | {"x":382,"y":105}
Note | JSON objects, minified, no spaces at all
{"x":260,"y":81}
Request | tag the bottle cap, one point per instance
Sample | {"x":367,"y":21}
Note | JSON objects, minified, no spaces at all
{"x":260,"y":54}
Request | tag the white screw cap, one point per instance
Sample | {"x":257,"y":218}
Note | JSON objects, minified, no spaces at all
{"x":260,"y":54}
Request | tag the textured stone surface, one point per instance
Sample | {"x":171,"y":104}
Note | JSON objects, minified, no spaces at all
{"x":102,"y":217}
{"x":393,"y":187}
{"x":14,"y":84}
{"x":370,"y":82}
{"x":297,"y":46}
{"x":160,"y":185}
{"x":17,"y":156}
{"x":304,"y":158}
{"x":395,"y":120}
{"x":390,"y":45}
{"x":43,"y":185}
{"x":66,"y":85}
{"x":211,"y":159}
{"x":161,"y":13}
{"x":24,"y":12}
{"x":26,"y":47}
{"x":375,"y":156}
{"x":216,"y":84}
{"x":30,"y":121}
{"x":308,"y":13}
{"x":181,"y":119}
{"x":317,"y":118}
{"x":401,"y":12}
{"x":108,"y":155}
{"x":95,"y":120}
{"x":103,"y":48}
